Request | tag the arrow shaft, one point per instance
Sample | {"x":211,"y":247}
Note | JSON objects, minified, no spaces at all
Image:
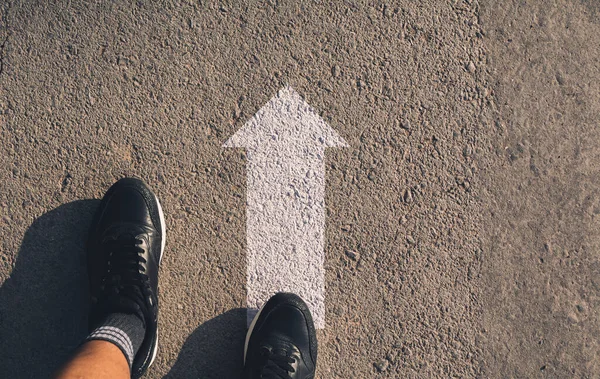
{"x":285,"y":226}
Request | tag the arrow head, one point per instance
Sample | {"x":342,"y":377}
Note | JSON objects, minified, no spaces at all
{"x":288,"y":120}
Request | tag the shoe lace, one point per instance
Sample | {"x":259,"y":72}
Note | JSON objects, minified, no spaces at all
{"x":125,"y":275}
{"x":276,"y":364}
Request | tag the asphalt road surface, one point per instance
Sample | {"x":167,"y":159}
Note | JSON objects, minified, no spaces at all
{"x":462,"y":221}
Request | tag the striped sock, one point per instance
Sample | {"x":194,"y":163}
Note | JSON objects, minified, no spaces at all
{"x":126,"y":331}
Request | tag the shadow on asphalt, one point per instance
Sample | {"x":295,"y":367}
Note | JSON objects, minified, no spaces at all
{"x":44,"y":306}
{"x":44,"y":303}
{"x":214,"y":350}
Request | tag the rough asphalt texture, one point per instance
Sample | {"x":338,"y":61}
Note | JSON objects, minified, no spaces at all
{"x":463,"y":222}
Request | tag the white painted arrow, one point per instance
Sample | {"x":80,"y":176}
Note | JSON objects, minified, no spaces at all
{"x":285,"y":143}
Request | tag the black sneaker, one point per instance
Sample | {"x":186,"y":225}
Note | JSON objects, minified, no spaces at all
{"x":281,"y":341}
{"x":125,"y":245}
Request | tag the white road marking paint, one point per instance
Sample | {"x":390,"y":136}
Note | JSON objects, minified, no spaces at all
{"x":285,"y":143}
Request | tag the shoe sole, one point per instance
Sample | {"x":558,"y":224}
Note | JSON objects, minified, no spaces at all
{"x":163,"y":228}
{"x":250,"y":330}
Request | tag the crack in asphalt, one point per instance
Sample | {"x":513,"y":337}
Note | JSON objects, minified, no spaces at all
{"x":5,"y":41}
{"x":2,"y":55}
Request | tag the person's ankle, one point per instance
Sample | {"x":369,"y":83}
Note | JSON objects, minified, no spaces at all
{"x":126,"y":331}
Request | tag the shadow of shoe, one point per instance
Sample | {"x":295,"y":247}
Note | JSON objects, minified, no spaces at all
{"x":44,"y":303}
{"x":214,"y":350}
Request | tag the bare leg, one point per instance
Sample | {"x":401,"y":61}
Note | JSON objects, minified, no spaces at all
{"x":96,"y":360}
